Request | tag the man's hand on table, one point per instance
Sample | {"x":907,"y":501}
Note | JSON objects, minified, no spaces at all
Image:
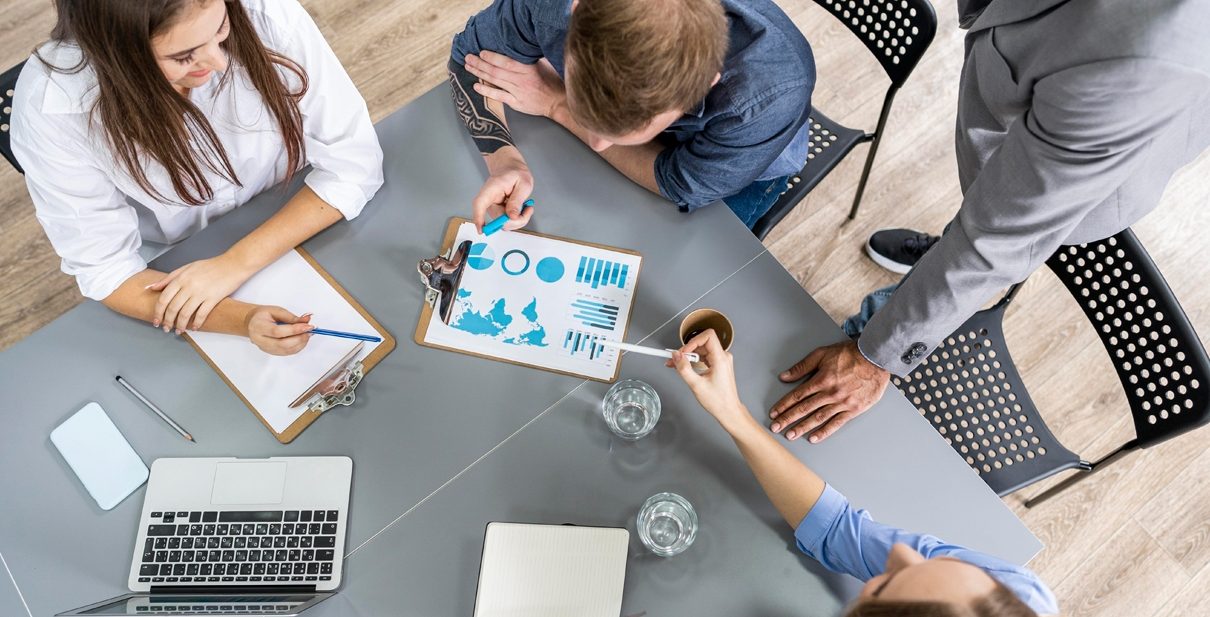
{"x":841,"y":384}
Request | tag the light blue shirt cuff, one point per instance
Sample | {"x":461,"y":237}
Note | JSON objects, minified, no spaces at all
{"x":815,"y":526}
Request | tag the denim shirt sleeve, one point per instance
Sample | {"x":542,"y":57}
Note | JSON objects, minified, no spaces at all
{"x":851,"y":542}
{"x":733,"y":150}
{"x":508,"y":27}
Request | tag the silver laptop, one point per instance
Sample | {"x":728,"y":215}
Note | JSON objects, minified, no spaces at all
{"x":228,"y":536}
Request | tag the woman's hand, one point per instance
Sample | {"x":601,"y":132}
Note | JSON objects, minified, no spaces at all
{"x":189,"y":293}
{"x":715,"y":389}
{"x":277,"y":331}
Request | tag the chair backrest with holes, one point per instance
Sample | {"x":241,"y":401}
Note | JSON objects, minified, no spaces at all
{"x":896,"y":32}
{"x":1159,"y":359}
{"x":970,"y":391}
{"x":8,"y":85}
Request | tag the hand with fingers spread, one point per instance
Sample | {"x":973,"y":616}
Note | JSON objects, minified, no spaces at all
{"x":277,"y":331}
{"x":189,"y":293}
{"x":534,"y":89}
{"x":714,"y":389}
{"x":840,"y":385}
{"x":505,"y":191}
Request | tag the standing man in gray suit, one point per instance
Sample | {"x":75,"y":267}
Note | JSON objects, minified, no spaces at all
{"x":1072,"y":117}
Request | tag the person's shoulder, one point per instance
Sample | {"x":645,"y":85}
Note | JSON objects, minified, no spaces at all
{"x":770,"y":63}
{"x":542,"y":13}
{"x":275,"y":21}
{"x":56,"y":80}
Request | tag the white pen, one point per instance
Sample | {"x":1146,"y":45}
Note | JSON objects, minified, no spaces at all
{"x":647,"y":351}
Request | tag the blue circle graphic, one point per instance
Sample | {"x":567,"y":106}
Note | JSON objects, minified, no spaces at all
{"x":480,"y":257}
{"x":504,"y":262}
{"x":549,"y":269}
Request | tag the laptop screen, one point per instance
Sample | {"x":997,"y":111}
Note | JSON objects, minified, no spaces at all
{"x":204,"y":604}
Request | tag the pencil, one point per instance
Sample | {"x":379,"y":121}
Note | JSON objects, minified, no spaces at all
{"x":163,"y":416}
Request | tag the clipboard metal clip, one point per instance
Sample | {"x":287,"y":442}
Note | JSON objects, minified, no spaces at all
{"x":338,"y":389}
{"x":442,"y":275}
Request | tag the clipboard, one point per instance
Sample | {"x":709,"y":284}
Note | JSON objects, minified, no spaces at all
{"x":432,"y":298}
{"x":340,"y":382}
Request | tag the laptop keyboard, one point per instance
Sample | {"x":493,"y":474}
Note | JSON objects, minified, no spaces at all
{"x":291,"y":546}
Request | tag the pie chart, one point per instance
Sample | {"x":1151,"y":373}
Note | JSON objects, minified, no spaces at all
{"x":550,"y":269}
{"x":481,"y":256}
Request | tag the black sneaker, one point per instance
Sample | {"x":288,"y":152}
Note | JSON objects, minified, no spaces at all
{"x":898,"y":250}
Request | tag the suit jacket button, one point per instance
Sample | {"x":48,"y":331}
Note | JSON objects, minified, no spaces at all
{"x":915,"y":352}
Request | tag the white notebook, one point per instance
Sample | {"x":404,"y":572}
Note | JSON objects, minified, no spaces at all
{"x":99,"y":455}
{"x":551,"y":571}
{"x":270,"y":383}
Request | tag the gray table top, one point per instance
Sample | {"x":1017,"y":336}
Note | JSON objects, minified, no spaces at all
{"x":10,"y":601}
{"x":567,"y":468}
{"x":409,"y":436}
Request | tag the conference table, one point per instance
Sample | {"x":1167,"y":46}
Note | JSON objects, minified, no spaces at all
{"x":444,"y":443}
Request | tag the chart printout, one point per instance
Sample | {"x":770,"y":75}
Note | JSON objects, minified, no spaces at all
{"x":540,"y":301}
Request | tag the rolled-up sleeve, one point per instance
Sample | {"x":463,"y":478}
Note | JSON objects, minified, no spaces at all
{"x":87,"y":220}
{"x":342,"y":146}
{"x":505,"y":27}
{"x":733,"y":150}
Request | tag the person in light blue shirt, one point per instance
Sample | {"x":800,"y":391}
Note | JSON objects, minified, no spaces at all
{"x":906,"y":574}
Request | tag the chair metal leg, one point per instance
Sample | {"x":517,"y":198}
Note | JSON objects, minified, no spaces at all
{"x":1091,"y":468}
{"x":876,"y":138}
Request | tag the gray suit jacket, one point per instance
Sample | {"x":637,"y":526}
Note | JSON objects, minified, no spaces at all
{"x":1072,"y":117}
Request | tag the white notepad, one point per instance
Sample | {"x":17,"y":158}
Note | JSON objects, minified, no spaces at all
{"x":101,"y":457}
{"x":270,"y":383}
{"x":551,"y":571}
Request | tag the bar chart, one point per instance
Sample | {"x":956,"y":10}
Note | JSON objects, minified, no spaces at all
{"x":583,"y":344}
{"x":595,"y":314}
{"x":601,"y":273}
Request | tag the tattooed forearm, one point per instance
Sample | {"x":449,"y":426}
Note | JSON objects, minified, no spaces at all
{"x":486,"y":127}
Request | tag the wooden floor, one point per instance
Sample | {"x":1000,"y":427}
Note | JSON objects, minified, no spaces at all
{"x":1132,"y":541}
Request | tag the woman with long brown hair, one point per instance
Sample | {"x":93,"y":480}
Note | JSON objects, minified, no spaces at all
{"x":141,"y":121}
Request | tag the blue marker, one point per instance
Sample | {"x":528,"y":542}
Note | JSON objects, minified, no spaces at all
{"x":497,"y":223}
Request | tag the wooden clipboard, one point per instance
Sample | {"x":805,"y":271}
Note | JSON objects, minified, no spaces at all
{"x":368,"y":363}
{"x":427,"y":310}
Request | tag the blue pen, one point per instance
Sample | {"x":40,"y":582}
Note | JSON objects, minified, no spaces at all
{"x":339,"y":334}
{"x":497,"y":223}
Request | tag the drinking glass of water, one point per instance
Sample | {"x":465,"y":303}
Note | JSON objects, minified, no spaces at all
{"x":667,"y":524}
{"x":631,"y":409}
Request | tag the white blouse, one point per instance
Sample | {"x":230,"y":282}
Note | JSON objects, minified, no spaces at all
{"x":95,"y":214}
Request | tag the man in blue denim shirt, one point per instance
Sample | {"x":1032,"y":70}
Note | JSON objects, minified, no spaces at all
{"x":697,"y":100}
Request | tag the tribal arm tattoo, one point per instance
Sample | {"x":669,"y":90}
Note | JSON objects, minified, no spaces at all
{"x":486,"y":126}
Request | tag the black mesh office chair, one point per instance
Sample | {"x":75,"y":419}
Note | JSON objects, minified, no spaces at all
{"x":896,"y":32}
{"x":8,"y":82}
{"x":973,"y":395}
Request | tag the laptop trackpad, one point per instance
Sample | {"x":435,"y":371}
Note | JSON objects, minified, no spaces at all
{"x":249,"y":483}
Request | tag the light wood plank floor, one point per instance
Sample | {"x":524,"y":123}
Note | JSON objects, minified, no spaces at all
{"x":1134,"y":540}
